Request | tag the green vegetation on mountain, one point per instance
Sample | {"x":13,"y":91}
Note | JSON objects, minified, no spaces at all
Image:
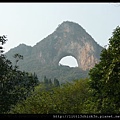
{"x":63,"y":73}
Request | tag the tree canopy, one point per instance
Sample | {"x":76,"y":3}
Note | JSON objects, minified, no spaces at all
{"x":15,"y":85}
{"x":105,"y":77}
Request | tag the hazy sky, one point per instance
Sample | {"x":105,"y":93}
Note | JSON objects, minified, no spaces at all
{"x":29,"y":23}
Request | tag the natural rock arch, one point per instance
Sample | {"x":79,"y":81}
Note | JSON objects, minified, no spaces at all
{"x":84,"y":59}
{"x":68,"y":61}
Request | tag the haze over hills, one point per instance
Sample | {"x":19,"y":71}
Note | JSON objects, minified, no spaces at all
{"x":69,"y":39}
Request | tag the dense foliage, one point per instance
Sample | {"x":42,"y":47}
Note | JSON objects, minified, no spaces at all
{"x":15,"y":85}
{"x":105,"y":78}
{"x":67,"y":99}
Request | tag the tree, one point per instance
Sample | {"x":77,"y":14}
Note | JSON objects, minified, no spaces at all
{"x":15,"y":85}
{"x":56,"y":82}
{"x":3,"y":40}
{"x":105,"y":77}
{"x":18,"y":57}
{"x":45,"y":80}
{"x":50,"y":82}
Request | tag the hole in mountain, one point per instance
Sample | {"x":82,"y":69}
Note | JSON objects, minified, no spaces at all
{"x":68,"y":61}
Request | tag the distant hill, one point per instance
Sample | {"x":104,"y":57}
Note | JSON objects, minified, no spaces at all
{"x":69,"y":38}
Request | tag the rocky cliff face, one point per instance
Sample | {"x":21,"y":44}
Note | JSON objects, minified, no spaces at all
{"x":69,"y":38}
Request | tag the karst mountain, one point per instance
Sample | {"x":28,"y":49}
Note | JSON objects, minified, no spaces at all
{"x":69,"y":39}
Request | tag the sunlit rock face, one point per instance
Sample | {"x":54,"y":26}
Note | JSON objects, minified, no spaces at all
{"x":69,"y":39}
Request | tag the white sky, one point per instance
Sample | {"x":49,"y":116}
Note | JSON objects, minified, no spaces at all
{"x":29,"y":23}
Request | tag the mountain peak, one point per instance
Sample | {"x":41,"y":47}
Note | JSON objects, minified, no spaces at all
{"x":23,"y":45}
{"x":69,"y":23}
{"x":69,"y":26}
